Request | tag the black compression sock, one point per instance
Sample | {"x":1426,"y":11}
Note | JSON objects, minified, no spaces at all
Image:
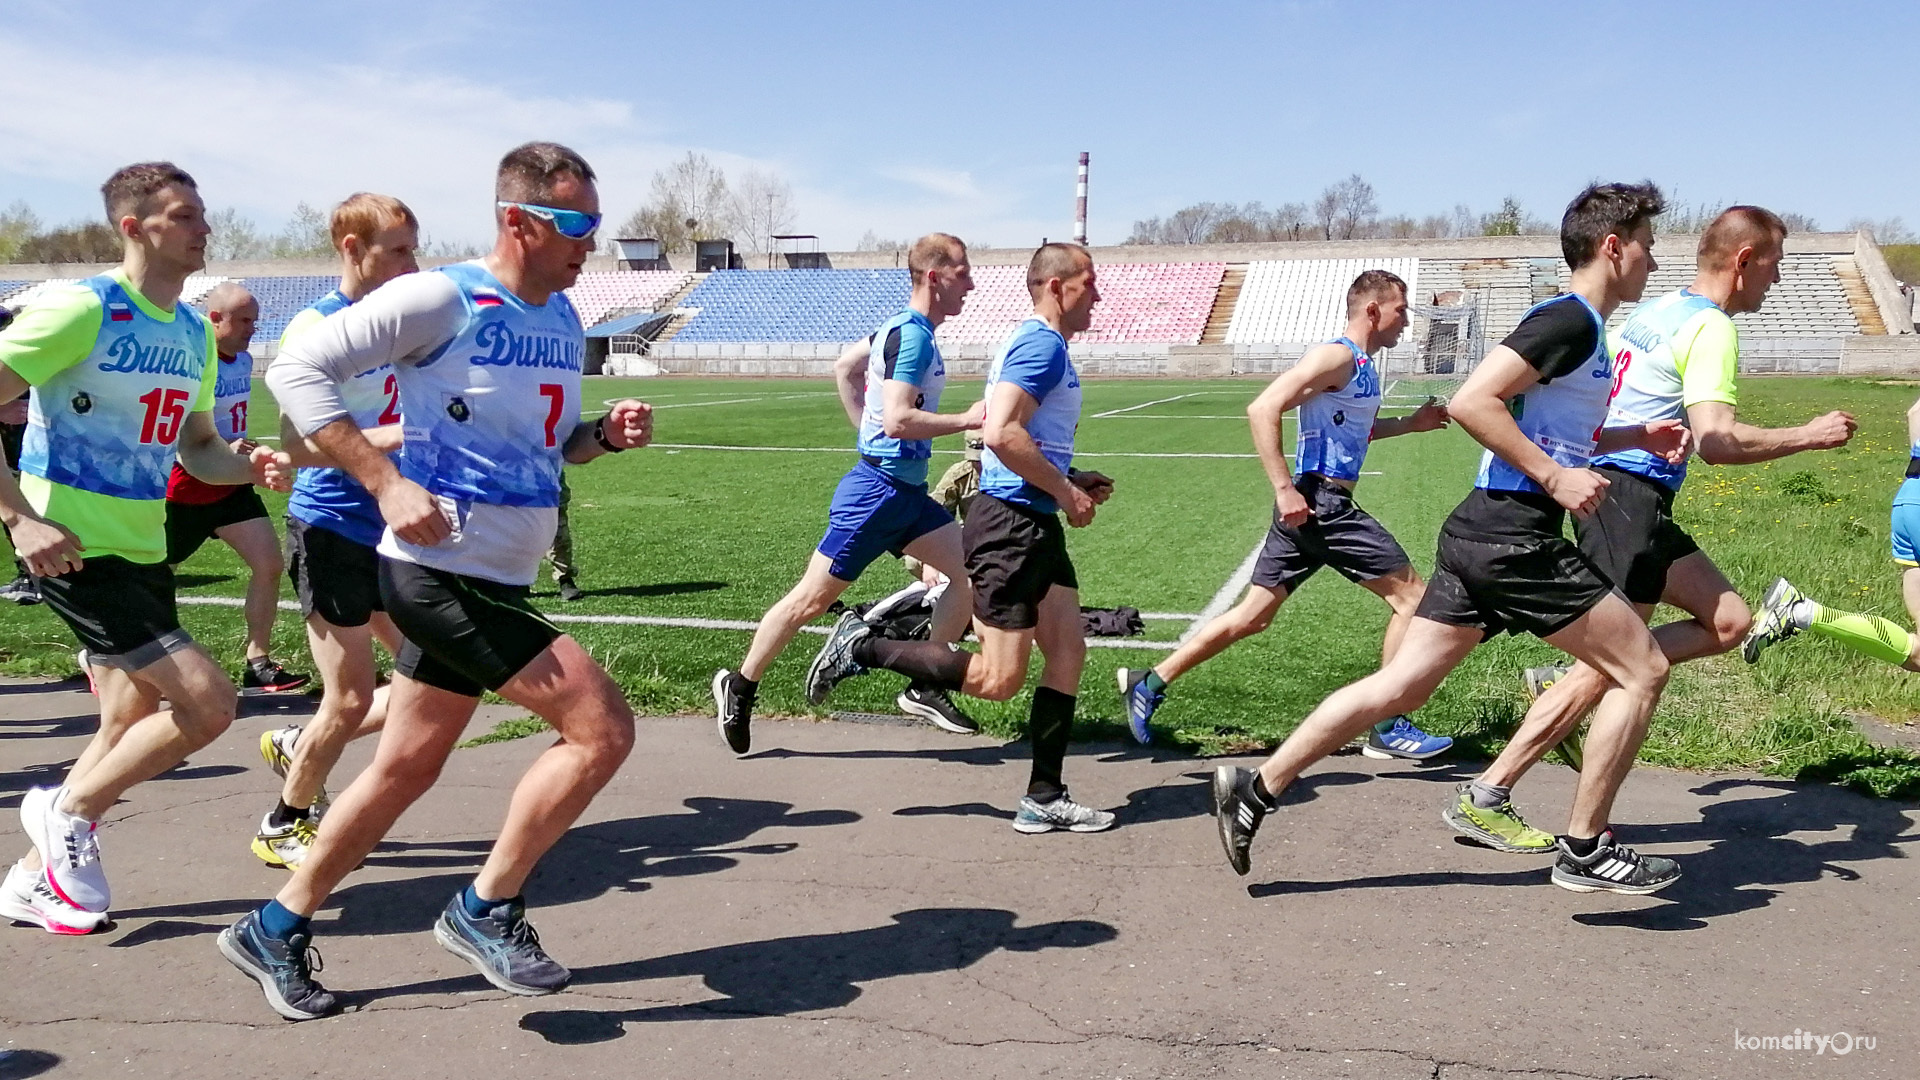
{"x":1050,"y":726}
{"x":284,"y":814}
{"x":1260,"y":791}
{"x":930,"y":663}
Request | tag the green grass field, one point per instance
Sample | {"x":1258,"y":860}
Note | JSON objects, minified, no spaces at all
{"x":690,"y":531}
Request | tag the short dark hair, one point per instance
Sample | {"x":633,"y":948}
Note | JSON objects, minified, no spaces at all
{"x":1605,"y":210}
{"x":1735,"y":228}
{"x":1371,"y":285}
{"x":528,"y":171}
{"x":934,"y":251}
{"x":1055,"y":260}
{"x":127,"y":191}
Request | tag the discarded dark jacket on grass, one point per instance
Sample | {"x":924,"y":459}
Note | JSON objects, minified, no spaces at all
{"x":1111,"y":622}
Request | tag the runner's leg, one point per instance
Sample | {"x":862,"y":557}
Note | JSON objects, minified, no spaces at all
{"x":1251,"y":615}
{"x":940,"y":549}
{"x":805,"y":602}
{"x":1613,"y":639}
{"x":259,"y":548}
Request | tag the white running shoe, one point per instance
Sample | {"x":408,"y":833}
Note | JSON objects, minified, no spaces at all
{"x":26,"y":898}
{"x":69,"y":848}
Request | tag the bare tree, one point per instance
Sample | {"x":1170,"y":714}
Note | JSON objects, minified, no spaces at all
{"x":872,"y":241}
{"x":690,"y":201}
{"x":762,"y":206}
{"x":308,"y":235}
{"x":1347,"y":208}
{"x":235,"y":237}
{"x":1799,"y":223}
{"x":81,"y":242}
{"x":1891,"y":230}
{"x":1189,"y":225}
{"x":1290,"y":221}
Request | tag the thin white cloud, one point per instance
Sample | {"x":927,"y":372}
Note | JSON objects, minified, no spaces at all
{"x":946,"y":183}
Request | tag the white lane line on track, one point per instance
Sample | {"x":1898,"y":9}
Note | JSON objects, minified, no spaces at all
{"x":1228,"y":593}
{"x":677,"y":623}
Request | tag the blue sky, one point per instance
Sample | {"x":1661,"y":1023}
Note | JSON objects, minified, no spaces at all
{"x":968,"y":117}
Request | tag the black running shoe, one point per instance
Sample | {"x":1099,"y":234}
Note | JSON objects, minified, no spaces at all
{"x":1238,"y":812}
{"x":268,"y":677}
{"x":502,"y":946}
{"x":284,"y":969}
{"x":834,"y":662}
{"x":569,"y":592}
{"x":733,"y":704}
{"x":1612,"y":867}
{"x":938,"y":709}
{"x":23,"y":590}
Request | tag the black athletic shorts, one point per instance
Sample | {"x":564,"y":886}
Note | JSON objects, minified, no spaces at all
{"x":336,"y":578}
{"x":1528,"y":580}
{"x":464,"y":634}
{"x":1633,"y":538}
{"x":1014,"y":555}
{"x":122,"y":612}
{"x":1339,"y":534}
{"x":189,"y":524}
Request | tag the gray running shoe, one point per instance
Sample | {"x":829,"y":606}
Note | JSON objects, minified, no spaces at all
{"x":503,"y":946}
{"x":1061,"y":813}
{"x":284,"y":969}
{"x":834,"y":662}
{"x":1613,"y":867}
{"x":1777,"y":621}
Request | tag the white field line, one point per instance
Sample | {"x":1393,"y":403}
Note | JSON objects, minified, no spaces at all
{"x":1142,"y":405}
{"x":1228,"y":593}
{"x":692,"y":624}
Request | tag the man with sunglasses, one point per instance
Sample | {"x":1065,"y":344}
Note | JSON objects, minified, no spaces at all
{"x":487,"y":357}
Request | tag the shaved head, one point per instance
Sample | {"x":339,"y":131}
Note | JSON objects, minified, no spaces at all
{"x":227,"y":296}
{"x":1739,"y":227}
{"x":1056,"y":261}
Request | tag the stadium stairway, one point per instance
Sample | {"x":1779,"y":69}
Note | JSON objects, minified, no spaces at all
{"x":1859,"y":297}
{"x":1215,"y":332}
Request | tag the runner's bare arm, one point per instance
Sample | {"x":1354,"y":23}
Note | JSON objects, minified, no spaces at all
{"x":1323,"y":367}
{"x":305,"y":454}
{"x":628,"y":425}
{"x":1724,"y":440}
{"x":850,"y":379}
{"x":1005,"y":433}
{"x":1481,"y":408}
{"x":207,"y":456}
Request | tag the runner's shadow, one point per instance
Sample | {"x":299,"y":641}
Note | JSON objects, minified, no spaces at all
{"x":14,"y":785}
{"x":589,"y":862}
{"x":1534,"y":876}
{"x":21,"y":1064}
{"x":1750,"y":844}
{"x":808,"y":973}
{"x":194,"y":581}
{"x":972,"y":754}
{"x":57,"y":727}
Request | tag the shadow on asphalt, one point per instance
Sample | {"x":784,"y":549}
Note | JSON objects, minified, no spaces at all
{"x":13,"y":785}
{"x":589,"y":862}
{"x":20,"y":1064}
{"x":1749,"y":845}
{"x":784,"y":976}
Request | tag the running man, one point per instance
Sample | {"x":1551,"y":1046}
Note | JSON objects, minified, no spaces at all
{"x":487,"y":357}
{"x":333,"y":528}
{"x":1538,"y":403}
{"x":1025,"y":592}
{"x":122,"y":375}
{"x":198,"y":511}
{"x":1787,"y":611}
{"x":1677,"y":358}
{"x":881,"y":505}
{"x":1316,"y":521}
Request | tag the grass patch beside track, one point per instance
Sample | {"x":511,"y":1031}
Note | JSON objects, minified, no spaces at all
{"x":685,"y":532}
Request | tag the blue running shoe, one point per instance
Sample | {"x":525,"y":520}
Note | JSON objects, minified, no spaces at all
{"x":284,"y":969}
{"x":502,"y":945}
{"x":1405,"y":741}
{"x":1141,"y":702}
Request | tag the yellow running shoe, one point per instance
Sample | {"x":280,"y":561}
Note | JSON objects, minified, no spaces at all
{"x":283,"y":845}
{"x":276,"y":747}
{"x":1572,"y":749}
{"x":1501,"y":828}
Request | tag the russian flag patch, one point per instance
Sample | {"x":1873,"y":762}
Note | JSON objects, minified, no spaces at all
{"x":119,"y":313}
{"x":486,"y":298}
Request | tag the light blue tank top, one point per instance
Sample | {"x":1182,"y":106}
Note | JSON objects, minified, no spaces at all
{"x":1035,"y":359}
{"x":1336,"y":426}
{"x":1651,"y":387}
{"x":1562,"y":417}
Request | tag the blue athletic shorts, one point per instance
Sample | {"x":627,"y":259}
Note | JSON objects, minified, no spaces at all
{"x":1906,"y":533}
{"x":873,"y":513}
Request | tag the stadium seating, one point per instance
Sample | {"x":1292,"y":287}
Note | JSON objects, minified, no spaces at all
{"x":281,"y":298}
{"x":8,"y":288}
{"x":1165,"y":303}
{"x":196,"y":288}
{"x":1296,"y":301}
{"x":1808,"y":301}
{"x":792,"y":305}
{"x":600,"y":294}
